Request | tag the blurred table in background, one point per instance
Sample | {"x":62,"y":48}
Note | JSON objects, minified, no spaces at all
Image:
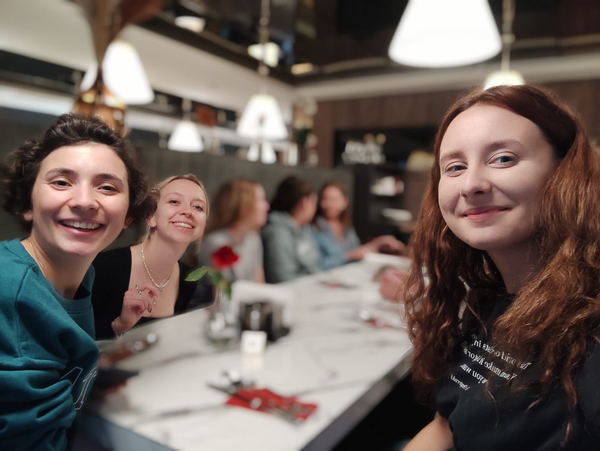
{"x":331,"y":358}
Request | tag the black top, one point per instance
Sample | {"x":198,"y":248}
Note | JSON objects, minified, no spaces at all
{"x":478,"y":423}
{"x":113,"y":269}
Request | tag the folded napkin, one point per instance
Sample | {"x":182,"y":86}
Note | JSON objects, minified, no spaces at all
{"x":264,"y":400}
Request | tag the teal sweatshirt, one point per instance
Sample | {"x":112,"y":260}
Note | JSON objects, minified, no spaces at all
{"x":48,"y":355}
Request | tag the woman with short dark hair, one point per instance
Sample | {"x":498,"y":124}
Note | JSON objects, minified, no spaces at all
{"x":290,"y":249}
{"x":75,"y":191}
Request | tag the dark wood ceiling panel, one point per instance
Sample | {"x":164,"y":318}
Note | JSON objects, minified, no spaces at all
{"x":357,"y":33}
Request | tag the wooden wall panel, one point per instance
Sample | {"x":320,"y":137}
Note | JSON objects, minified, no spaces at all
{"x":427,"y":109}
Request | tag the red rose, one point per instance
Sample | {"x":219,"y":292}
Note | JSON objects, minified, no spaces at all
{"x":224,"y":257}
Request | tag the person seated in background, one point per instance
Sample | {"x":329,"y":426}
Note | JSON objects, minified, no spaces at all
{"x":335,"y":235}
{"x":239,"y":212}
{"x":74,"y":191}
{"x":290,"y":248}
{"x":146,"y":281}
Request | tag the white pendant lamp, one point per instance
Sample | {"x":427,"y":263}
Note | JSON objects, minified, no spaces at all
{"x":186,"y":136}
{"x":268,"y":153}
{"x":123,"y":73}
{"x":253,"y":152}
{"x":264,"y":151}
{"x":192,"y":23}
{"x":445,"y":33}
{"x":262,"y":119}
{"x":505,"y":76}
{"x":269,"y":53}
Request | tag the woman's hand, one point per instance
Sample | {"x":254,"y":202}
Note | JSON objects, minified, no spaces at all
{"x":136,"y":301}
{"x":360,"y":252}
{"x":391,"y":285}
{"x":388,"y":244}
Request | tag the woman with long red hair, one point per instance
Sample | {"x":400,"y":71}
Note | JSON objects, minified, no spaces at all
{"x":505,"y":320}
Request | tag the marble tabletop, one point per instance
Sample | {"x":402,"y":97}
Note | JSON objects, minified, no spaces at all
{"x":331,"y":358}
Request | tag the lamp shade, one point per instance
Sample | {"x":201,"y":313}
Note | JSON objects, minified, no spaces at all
{"x":124,"y":74}
{"x":443,"y":33}
{"x":503,"y":77}
{"x":186,"y":138}
{"x":269,"y":53}
{"x":268,"y":153}
{"x":262,"y":119}
{"x":192,"y":23}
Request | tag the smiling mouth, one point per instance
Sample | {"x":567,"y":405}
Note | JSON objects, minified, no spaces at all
{"x":80,"y":225}
{"x":183,"y":224}
{"x":483,"y":211}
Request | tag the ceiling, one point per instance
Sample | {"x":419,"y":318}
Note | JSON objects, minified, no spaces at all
{"x":343,"y":38}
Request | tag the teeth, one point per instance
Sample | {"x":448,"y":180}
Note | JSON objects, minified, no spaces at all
{"x":183,"y":224}
{"x":81,"y":225}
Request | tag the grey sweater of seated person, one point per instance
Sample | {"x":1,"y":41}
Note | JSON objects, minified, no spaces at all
{"x":250,"y":252}
{"x":289,"y":249}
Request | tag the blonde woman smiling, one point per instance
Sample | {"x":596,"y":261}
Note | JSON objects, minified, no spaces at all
{"x":147,"y":281}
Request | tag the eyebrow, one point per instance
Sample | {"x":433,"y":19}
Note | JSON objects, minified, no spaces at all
{"x":60,"y":171}
{"x":452,"y":155}
{"x":111,"y":177}
{"x":503,"y":143}
{"x":71,"y":173}
{"x":489,"y":148}
{"x":181,"y":195}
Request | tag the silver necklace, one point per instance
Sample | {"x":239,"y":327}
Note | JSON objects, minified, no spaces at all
{"x":37,"y":257}
{"x":160,"y":286}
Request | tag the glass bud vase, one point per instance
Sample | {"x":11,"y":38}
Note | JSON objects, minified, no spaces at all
{"x":222,"y":327}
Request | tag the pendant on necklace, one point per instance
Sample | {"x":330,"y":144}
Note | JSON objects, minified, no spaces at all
{"x":160,"y":289}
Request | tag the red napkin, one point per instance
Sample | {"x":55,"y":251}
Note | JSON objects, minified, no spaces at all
{"x":269,"y":400}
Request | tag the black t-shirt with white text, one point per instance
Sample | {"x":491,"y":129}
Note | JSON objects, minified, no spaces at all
{"x":506,"y":422}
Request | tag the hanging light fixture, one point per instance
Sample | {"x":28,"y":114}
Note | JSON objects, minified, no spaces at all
{"x":262,"y":119}
{"x":123,"y":73}
{"x":505,"y":76}
{"x":186,"y":136}
{"x":192,"y":23}
{"x":264,"y":151}
{"x":269,"y":53}
{"x":106,"y":19}
{"x":443,"y":33}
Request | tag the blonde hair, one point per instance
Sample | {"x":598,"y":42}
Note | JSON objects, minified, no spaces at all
{"x":154,"y":194}
{"x":235,"y":200}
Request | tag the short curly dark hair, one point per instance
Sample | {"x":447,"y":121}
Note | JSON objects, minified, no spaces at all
{"x":21,"y":170}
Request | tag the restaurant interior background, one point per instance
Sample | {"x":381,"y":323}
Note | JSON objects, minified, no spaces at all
{"x":351,"y":113}
{"x":336,"y":86}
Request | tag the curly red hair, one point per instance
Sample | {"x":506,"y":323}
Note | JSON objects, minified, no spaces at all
{"x":558,"y":309}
